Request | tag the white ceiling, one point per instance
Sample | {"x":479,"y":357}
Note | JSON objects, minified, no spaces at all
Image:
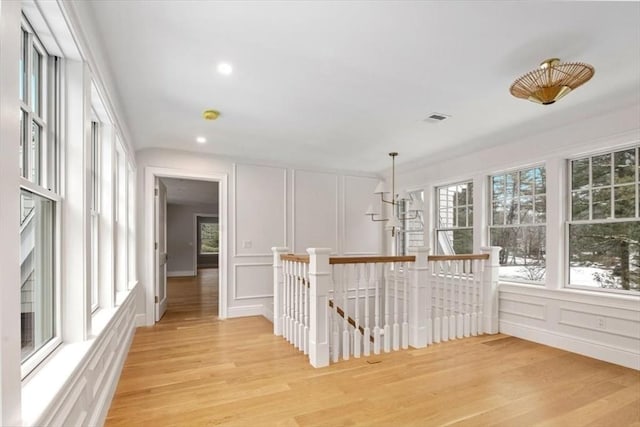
{"x":340,"y":84}
{"x":191,"y":192}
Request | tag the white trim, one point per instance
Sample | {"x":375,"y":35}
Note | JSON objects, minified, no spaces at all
{"x":140,"y":320}
{"x":247,"y":310}
{"x":181,"y":273}
{"x":150,"y":173}
{"x":608,"y":353}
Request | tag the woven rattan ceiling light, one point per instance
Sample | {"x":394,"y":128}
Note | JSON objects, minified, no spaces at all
{"x":551,"y":81}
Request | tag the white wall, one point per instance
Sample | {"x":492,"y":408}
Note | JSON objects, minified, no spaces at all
{"x":549,"y":314}
{"x":180,"y":236}
{"x":271,"y":205}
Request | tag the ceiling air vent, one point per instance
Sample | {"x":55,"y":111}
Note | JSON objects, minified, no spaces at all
{"x":436,"y":118}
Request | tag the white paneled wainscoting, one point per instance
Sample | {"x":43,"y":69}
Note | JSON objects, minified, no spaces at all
{"x":334,"y":308}
{"x":76,"y":386}
{"x":602,"y":326}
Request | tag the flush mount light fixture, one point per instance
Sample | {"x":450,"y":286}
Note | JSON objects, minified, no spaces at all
{"x":551,"y":81}
{"x":225,"y":68}
{"x":201,"y":140}
{"x":210,"y":114}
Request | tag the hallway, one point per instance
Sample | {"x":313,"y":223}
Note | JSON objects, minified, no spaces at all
{"x":191,"y":369}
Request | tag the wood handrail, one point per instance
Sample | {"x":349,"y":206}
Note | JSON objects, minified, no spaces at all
{"x":378,"y":259}
{"x":460,"y":257}
{"x":370,"y":259}
{"x":296,"y":258}
{"x":349,"y":319}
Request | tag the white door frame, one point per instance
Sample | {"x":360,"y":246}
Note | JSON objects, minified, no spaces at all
{"x":150,"y":173}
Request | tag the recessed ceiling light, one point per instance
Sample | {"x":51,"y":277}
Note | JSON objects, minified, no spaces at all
{"x":201,"y":140}
{"x":225,"y":68}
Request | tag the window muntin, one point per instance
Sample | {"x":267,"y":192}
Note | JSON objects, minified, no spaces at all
{"x":454,"y":225}
{"x":209,"y":238}
{"x":518,"y":223}
{"x":604,"y":225}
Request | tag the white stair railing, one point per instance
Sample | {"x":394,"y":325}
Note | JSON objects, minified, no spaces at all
{"x":343,"y":307}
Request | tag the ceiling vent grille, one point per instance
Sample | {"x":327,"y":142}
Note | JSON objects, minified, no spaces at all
{"x":436,"y":118}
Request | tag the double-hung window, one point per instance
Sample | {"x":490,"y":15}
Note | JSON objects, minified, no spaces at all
{"x":454,"y":225}
{"x":518,"y":223}
{"x":604,"y":221}
{"x":39,"y":202}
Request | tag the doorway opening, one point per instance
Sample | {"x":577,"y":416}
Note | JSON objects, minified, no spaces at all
{"x":186,"y":224}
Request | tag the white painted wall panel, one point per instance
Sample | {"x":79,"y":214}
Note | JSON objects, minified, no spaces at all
{"x":315,"y":211}
{"x":361,"y":235}
{"x":253,"y":280}
{"x":260,"y":203}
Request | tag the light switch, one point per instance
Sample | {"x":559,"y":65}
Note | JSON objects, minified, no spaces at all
{"x":246,"y":244}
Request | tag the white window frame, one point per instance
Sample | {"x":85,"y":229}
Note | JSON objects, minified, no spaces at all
{"x":610,"y":220}
{"x":491,"y":226}
{"x":468,"y":205}
{"x":96,"y":170}
{"x":48,"y":179}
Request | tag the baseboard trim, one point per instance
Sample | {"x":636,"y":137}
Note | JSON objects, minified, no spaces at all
{"x":181,"y":273}
{"x":245,"y":311}
{"x":616,"y":355}
{"x":140,"y":320}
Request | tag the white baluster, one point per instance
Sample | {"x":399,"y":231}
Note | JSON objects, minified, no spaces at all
{"x":387,"y":325}
{"x":439,"y":300}
{"x":305,"y":332}
{"x":335,"y":335}
{"x":476,"y":291}
{"x":396,"y":324}
{"x":467,"y":297}
{"x":446,"y":300}
{"x":296,"y":306}
{"x":405,"y":309}
{"x":459,"y":300}
{"x":376,"y":328}
{"x":287,"y":285}
{"x":346,"y":348}
{"x":357,"y":336}
{"x":369,"y":275}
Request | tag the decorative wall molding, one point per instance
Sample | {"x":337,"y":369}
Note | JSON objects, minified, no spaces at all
{"x":541,"y":308}
{"x":237,"y":266}
{"x":335,"y":247}
{"x":235,"y":210}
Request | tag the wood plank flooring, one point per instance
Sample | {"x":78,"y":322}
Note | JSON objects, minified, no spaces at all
{"x":192,"y":369}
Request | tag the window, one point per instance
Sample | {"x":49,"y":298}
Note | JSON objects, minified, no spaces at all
{"x":208,"y":238}
{"x":454,"y":227}
{"x":39,"y":203}
{"x":518,"y":223}
{"x":412,"y":234}
{"x":604,"y":226}
{"x":95,"y":213}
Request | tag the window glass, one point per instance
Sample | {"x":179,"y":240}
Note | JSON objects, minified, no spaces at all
{"x":37,"y":312}
{"x":208,"y":238}
{"x":518,"y":223}
{"x":454,"y":226}
{"x":604,"y":227}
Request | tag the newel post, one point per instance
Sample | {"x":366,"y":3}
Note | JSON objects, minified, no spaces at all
{"x":490,"y":290}
{"x":420,"y":304}
{"x":278,"y":281}
{"x":319,"y":278}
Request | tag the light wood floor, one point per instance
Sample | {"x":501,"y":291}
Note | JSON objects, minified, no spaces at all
{"x":192,"y":369}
